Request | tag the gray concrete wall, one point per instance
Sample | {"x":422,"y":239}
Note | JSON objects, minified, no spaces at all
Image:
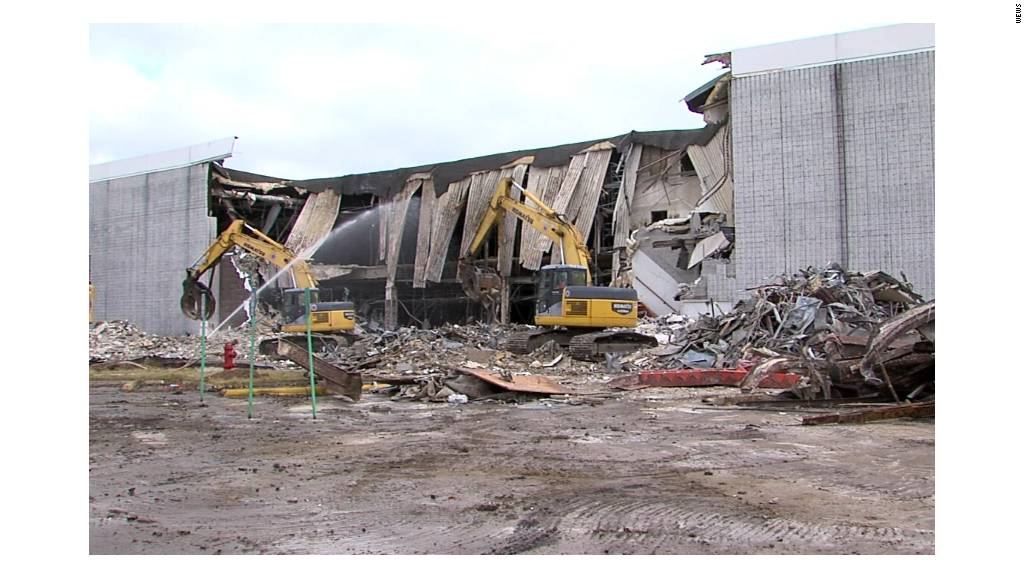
{"x":144,"y":232}
{"x":834,"y":163}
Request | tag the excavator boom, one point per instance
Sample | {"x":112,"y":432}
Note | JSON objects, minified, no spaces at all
{"x":197,"y":299}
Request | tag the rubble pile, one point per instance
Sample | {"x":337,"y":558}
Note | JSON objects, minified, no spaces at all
{"x":120,"y":340}
{"x":836,"y":326}
{"x":409,"y":350}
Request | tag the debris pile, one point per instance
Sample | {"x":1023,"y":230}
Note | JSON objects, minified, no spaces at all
{"x":120,"y":340}
{"x":851,"y":334}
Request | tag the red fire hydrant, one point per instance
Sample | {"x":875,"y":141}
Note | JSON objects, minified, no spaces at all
{"x":229,"y":356}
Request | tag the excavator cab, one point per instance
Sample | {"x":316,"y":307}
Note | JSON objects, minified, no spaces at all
{"x":552,"y":282}
{"x":294,"y":305}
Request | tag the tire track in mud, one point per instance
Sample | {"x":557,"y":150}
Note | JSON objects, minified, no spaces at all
{"x":644,"y":526}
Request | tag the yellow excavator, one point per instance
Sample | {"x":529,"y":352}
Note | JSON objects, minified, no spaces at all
{"x":330,"y":322}
{"x":569,"y":308}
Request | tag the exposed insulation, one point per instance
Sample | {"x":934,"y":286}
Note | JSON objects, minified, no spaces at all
{"x":507,"y":232}
{"x":446,"y":215}
{"x":543,"y":183}
{"x":423,"y":234}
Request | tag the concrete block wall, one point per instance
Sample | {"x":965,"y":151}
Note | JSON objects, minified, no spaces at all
{"x":824,"y":174}
{"x":144,"y":232}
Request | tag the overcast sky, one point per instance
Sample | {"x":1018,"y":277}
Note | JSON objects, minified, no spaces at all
{"x":311,"y":101}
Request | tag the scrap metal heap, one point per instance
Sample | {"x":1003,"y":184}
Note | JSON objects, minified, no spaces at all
{"x":850,"y":334}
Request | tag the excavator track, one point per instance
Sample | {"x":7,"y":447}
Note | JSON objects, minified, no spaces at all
{"x":592,"y":346}
{"x":527,"y":342}
{"x":322,"y":343}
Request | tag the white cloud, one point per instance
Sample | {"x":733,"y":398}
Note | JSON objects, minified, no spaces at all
{"x":328,"y":100}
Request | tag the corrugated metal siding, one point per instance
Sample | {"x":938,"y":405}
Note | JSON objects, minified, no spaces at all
{"x":315,"y":222}
{"x":481,"y":189}
{"x":399,"y":206}
{"x":446,"y":215}
{"x":624,"y":202}
{"x":623,"y":205}
{"x":384,"y":217}
{"x":423,"y":234}
{"x":716,"y":182}
{"x":589,"y":190}
{"x":544,"y":183}
{"x":507,"y":234}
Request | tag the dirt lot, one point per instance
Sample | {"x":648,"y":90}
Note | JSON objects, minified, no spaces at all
{"x":654,"y":471}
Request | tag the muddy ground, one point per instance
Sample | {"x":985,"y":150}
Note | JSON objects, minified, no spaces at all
{"x":654,"y":471}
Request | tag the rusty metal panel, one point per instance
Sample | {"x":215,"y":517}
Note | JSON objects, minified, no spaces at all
{"x":710,"y":377}
{"x":446,"y":215}
{"x":507,"y":234}
{"x":520,"y":382}
{"x":334,"y":379}
{"x":544,"y":183}
{"x":423,"y":234}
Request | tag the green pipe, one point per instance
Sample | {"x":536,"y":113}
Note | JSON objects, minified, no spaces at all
{"x":252,"y":345}
{"x":202,"y":349}
{"x":309,"y":345}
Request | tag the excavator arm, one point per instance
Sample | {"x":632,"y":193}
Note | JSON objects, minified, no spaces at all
{"x":568,"y":240}
{"x":197,"y":298}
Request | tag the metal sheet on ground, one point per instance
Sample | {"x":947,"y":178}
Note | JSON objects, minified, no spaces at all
{"x":520,"y":382}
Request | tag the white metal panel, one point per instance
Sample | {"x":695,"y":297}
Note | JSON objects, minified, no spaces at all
{"x":205,"y":152}
{"x":884,"y":41}
{"x":869,"y":43}
{"x":654,"y":287}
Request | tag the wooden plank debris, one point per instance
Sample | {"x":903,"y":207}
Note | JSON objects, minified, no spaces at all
{"x":922,"y":410}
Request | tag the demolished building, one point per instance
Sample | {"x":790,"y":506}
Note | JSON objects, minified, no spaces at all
{"x":814,"y":151}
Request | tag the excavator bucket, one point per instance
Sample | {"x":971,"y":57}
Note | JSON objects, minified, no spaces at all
{"x":193,"y":295}
{"x":480,"y":284}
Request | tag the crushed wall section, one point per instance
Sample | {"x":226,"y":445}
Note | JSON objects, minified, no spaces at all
{"x":144,"y":232}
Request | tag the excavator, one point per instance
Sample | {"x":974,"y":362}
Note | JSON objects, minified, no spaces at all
{"x":331,"y":323}
{"x":569,"y":309}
